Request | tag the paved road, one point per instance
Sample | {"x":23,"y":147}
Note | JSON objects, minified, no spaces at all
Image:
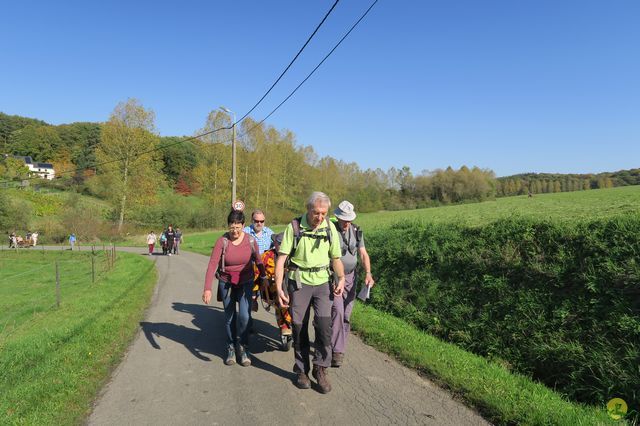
{"x":173,"y":372}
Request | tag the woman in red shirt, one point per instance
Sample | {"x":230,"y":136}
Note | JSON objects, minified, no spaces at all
{"x":235,"y":283}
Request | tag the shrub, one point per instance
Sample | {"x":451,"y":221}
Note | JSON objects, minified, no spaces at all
{"x":559,"y":302}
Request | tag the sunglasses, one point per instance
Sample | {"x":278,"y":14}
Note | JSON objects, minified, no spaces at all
{"x":258,"y":221}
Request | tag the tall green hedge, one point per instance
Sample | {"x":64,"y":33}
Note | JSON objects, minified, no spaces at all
{"x":559,"y":302}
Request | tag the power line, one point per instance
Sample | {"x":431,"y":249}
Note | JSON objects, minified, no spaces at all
{"x":231,"y":126}
{"x":290,"y":63}
{"x":314,"y":70}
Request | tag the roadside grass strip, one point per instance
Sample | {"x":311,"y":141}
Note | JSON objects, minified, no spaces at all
{"x":53,"y":361}
{"x":502,"y":397}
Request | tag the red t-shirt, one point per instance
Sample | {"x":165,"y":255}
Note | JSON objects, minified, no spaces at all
{"x":238,"y":262}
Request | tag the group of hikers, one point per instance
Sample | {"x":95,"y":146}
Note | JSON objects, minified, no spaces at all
{"x":30,"y":240}
{"x":170,"y":240}
{"x":312,"y":263}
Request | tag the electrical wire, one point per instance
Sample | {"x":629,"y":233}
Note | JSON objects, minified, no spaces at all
{"x":231,"y":126}
{"x":290,"y":63}
{"x":313,"y":71}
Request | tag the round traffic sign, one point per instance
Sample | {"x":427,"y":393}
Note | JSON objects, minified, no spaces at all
{"x":238,"y":205}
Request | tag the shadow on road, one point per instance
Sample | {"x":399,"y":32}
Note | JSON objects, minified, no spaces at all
{"x":209,"y":336}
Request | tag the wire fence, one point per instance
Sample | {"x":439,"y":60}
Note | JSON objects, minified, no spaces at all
{"x":37,"y":281}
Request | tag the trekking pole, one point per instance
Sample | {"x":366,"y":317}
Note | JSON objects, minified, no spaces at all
{"x":93,"y":269}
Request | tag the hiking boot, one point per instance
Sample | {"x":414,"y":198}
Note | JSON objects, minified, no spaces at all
{"x":302,"y":381}
{"x":336,"y":359}
{"x":231,"y":356}
{"x":245,"y":361}
{"x":320,"y":374}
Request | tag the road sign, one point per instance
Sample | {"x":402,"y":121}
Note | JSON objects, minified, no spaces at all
{"x":238,"y":205}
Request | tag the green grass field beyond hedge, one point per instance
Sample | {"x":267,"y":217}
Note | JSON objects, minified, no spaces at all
{"x":53,"y":360}
{"x":565,"y":206}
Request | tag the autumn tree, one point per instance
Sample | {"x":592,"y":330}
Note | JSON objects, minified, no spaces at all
{"x":129,"y":160}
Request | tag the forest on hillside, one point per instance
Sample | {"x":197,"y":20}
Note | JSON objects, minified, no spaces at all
{"x":148,"y":179}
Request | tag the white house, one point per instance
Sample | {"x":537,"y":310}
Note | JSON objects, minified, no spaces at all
{"x":44,"y":170}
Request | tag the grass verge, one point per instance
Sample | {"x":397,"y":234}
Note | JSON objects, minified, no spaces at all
{"x":54,"y":360}
{"x":501,"y":396}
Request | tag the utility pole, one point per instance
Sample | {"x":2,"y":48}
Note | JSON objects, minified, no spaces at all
{"x":233,"y":155}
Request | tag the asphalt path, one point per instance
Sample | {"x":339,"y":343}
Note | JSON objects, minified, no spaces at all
{"x":173,"y":372}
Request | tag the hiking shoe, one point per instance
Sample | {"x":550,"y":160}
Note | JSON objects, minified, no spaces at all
{"x":320,"y":374}
{"x":336,"y":359}
{"x":245,"y":361}
{"x":231,"y":356}
{"x":302,"y":381}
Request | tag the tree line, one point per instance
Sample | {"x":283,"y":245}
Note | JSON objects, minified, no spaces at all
{"x":541,"y":183}
{"x":149,"y":179}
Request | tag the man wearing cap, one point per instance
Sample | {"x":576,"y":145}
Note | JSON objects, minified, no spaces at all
{"x":352,"y":245}
{"x":312,"y":243}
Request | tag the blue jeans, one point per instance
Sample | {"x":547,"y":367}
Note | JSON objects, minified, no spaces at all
{"x":231,"y":295}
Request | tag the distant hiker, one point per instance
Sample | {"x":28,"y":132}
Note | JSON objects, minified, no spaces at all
{"x":352,"y":246}
{"x":177,"y":240}
{"x":163,"y":242}
{"x":259,"y":230}
{"x":34,"y":238}
{"x":13,"y":240}
{"x":170,"y":233}
{"x":232,"y":260}
{"x":72,"y":240}
{"x":151,"y":241}
{"x":310,"y":246}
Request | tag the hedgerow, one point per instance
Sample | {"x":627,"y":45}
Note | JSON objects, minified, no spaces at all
{"x":559,"y":302}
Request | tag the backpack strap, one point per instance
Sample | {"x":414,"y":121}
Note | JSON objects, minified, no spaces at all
{"x":297,"y":234}
{"x":225,"y":243}
{"x":358,"y":231}
{"x":252,"y":243}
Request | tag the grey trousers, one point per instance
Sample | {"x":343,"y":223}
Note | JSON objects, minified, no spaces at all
{"x":321,"y":298}
{"x":341,"y":314}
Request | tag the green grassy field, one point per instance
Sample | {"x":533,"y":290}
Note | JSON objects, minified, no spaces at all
{"x":564,"y":206}
{"x":53,"y":360}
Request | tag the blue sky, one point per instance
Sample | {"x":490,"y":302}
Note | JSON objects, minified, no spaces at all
{"x":514,"y":86}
